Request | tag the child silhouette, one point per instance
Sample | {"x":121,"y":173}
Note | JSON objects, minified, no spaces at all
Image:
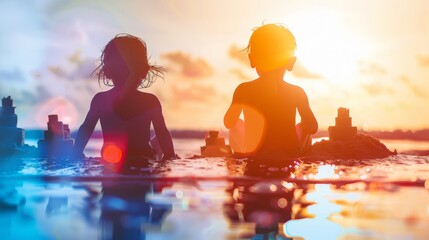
{"x":269,"y":103}
{"x":124,"y":112}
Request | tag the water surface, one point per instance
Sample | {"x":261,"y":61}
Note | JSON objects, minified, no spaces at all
{"x":215,"y":198}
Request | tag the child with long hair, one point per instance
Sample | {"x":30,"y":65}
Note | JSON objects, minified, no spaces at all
{"x":125,"y":113}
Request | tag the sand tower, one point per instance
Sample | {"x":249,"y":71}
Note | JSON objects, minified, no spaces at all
{"x":10,"y":135}
{"x":215,"y":146}
{"x":57,"y":141}
{"x":343,"y":129}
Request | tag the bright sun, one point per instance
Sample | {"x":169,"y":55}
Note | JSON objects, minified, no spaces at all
{"x":326,"y":46}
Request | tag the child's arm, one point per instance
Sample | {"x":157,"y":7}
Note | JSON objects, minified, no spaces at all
{"x":309,"y":122}
{"x":162,"y":133}
{"x":233,"y":113}
{"x":85,"y":130}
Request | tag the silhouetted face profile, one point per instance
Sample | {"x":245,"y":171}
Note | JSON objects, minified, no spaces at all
{"x":270,"y":47}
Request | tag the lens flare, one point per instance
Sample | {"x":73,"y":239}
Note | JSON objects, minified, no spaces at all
{"x":246,"y":135}
{"x":112,"y":153}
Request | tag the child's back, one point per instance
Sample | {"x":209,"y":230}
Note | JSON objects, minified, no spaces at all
{"x":269,"y":103}
{"x":277,"y":102}
{"x":132,"y":134}
{"x":125,"y":113}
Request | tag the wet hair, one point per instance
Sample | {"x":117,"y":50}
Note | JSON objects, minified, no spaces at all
{"x":271,"y":46}
{"x":134,"y":50}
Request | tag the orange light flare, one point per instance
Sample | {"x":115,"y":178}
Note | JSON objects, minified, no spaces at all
{"x":111,"y":153}
{"x":246,"y":134}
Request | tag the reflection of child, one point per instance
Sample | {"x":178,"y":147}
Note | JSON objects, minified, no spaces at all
{"x":125,"y":113}
{"x":269,"y":103}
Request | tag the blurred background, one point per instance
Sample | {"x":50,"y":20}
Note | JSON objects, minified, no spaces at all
{"x":369,"y":56}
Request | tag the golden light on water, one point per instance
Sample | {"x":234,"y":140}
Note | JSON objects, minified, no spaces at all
{"x":320,"y":225}
{"x":323,"y":210}
{"x":321,"y":193}
{"x":326,"y":171}
{"x":273,"y":188}
{"x":312,"y":228}
{"x":287,"y":185}
{"x":282,"y":203}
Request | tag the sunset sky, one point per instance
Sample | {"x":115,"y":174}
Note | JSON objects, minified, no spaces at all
{"x":369,"y":56}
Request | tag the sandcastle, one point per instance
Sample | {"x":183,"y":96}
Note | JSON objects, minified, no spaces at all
{"x":57,"y":141}
{"x":343,"y":129}
{"x":10,"y":135}
{"x":215,"y":146}
{"x":345,"y":143}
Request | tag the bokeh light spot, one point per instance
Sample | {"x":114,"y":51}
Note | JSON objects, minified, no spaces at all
{"x":282,"y":203}
{"x":112,"y":153}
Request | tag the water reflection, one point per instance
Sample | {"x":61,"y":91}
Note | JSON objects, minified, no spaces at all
{"x":313,"y":210}
{"x":214,"y":199}
{"x":282,"y":210}
{"x":126,"y":213}
{"x":264,"y":204}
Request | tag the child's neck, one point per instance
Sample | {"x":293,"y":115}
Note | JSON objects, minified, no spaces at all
{"x":274,"y":74}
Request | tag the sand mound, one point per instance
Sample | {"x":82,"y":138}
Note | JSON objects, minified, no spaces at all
{"x":360,"y":146}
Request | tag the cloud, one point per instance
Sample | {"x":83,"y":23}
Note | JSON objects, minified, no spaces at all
{"x":369,"y":68}
{"x":238,"y":54}
{"x":195,"y":93}
{"x":300,"y":71}
{"x":40,"y":93}
{"x":79,"y":68}
{"x":57,"y":71}
{"x":76,"y":57}
{"x":15,"y":75}
{"x":83,"y":70}
{"x":192,"y":68}
{"x":377,"y":89}
{"x":423,"y":61}
{"x":413,"y":87}
{"x":240,"y":74}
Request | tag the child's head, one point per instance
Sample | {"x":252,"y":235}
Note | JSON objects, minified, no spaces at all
{"x":270,"y":47}
{"x":123,"y":55}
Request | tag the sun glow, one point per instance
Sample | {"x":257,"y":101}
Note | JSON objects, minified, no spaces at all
{"x":325,"y":46}
{"x":59,"y":106}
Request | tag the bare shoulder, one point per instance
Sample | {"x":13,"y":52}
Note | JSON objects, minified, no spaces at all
{"x":98,"y":97}
{"x":101,"y":97}
{"x":294,"y":89}
{"x":246,"y":86}
{"x":149,"y":99}
{"x":105,"y":94}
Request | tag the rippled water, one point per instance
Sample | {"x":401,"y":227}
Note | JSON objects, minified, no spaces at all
{"x":215,"y":198}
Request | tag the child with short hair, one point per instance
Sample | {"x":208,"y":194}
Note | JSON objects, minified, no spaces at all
{"x":269,"y":103}
{"x":125,"y":113}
